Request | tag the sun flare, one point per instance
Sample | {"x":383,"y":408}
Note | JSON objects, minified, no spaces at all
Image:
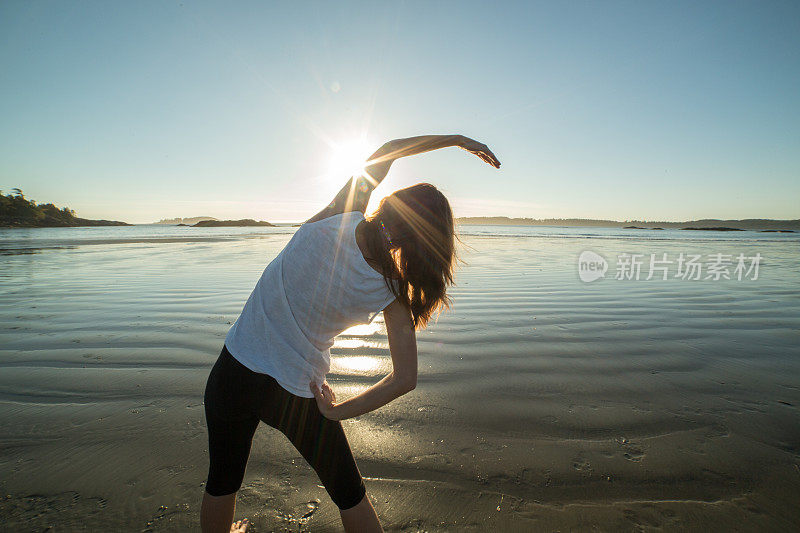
{"x":348,"y":158}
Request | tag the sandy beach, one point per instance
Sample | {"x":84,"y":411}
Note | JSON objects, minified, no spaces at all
{"x":543,"y":403}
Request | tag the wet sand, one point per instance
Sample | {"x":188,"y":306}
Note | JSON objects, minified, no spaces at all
{"x":543,"y":403}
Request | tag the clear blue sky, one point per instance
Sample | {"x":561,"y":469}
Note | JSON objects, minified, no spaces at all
{"x":138,"y":111}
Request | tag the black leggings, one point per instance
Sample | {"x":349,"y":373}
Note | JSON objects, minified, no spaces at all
{"x":236,"y":399}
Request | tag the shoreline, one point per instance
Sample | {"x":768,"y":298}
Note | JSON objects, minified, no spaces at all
{"x":98,"y":224}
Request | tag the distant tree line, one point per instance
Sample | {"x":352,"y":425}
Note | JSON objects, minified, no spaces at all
{"x":708,"y":223}
{"x":18,"y":211}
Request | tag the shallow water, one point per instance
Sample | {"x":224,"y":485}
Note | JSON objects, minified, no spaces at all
{"x":616,"y":404}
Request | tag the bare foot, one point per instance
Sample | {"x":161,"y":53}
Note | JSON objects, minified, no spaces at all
{"x":240,"y":526}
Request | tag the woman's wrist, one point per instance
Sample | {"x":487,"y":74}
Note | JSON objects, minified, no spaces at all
{"x":398,"y":148}
{"x":332,"y":412}
{"x":344,"y":410}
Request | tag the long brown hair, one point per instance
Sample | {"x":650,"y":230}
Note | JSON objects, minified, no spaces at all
{"x":412,"y":237}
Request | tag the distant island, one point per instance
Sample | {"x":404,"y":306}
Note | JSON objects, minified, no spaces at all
{"x":722,"y":228}
{"x":16,"y":211}
{"x":231,"y":223}
{"x":211,"y":222}
{"x":183,"y":221}
{"x":763,"y":224}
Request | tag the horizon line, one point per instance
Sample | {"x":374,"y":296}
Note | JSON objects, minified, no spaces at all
{"x":582,"y":219}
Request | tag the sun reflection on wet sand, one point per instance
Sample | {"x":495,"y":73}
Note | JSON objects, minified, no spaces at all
{"x":361,"y":365}
{"x":365,"y":350}
{"x":353,"y":344}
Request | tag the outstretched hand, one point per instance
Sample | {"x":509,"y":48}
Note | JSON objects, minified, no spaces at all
{"x":326,"y":399}
{"x":481,"y":150}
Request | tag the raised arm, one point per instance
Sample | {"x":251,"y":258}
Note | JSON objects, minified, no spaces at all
{"x":425,"y":143}
{"x":402,"y":378}
{"x":354,"y":196}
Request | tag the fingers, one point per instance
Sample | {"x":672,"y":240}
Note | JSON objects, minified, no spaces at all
{"x":484,"y":153}
{"x":322,"y":402}
{"x":324,"y":395}
{"x":315,"y":390}
{"x":489,"y":158}
{"x":481,"y":150}
{"x":326,"y":400}
{"x":328,"y":392}
{"x":492,"y":159}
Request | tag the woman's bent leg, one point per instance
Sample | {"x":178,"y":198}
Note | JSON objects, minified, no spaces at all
{"x":324,"y":446}
{"x":231,"y":425}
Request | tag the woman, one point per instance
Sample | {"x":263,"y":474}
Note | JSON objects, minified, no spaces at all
{"x":339,"y":269}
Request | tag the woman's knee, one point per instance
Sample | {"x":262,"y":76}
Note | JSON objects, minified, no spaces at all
{"x":222,"y":491}
{"x":223,"y":487}
{"x":219,"y":497}
{"x":348,"y":497}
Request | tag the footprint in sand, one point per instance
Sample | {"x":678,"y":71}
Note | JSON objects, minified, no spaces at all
{"x":581,"y":465}
{"x":312,"y":508}
{"x":301,"y":519}
{"x":157,"y":519}
{"x":633,"y":454}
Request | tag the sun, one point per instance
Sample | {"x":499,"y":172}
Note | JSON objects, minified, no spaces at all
{"x":347,"y":158}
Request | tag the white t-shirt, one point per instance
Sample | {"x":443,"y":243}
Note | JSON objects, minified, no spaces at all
{"x":318,"y":286}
